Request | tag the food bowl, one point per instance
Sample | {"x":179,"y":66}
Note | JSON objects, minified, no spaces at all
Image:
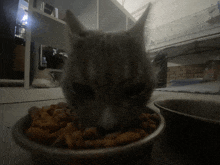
{"x":192,"y":126}
{"x":129,"y":154}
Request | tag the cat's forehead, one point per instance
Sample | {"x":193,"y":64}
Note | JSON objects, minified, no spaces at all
{"x":115,"y":43}
{"x":107,"y":58}
{"x":112,"y":47}
{"x":121,"y":37}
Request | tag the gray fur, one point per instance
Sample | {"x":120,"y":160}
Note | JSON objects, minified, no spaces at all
{"x":102,"y":69}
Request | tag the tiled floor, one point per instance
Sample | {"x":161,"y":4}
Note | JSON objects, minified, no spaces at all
{"x":10,"y":112}
{"x":204,"y":88}
{"x":19,"y":94}
{"x":10,"y":153}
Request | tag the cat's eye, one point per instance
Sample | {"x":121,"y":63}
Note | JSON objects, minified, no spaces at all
{"x":83,"y":34}
{"x":134,"y":89}
{"x":83,"y":91}
{"x":79,"y":44}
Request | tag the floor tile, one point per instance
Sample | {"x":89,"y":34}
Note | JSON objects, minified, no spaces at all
{"x":15,"y":94}
{"x":11,"y":113}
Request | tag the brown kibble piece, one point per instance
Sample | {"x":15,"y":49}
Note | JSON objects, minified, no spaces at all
{"x":94,"y":143}
{"x":58,"y":111}
{"x":34,"y":112}
{"x":60,"y":141}
{"x":52,"y":106}
{"x":70,"y":141}
{"x":44,"y":115}
{"x":127,"y":137}
{"x":144,"y":116}
{"x":62,"y":118}
{"x":46,"y":123}
{"x":59,"y":126}
{"x":150,"y":121}
{"x":109,"y":143}
{"x":59,"y":115}
{"x":141,"y":132}
{"x":70,"y":128}
{"x":71,"y":115}
{"x":62,"y":105}
{"x":45,"y":108}
{"x":155,"y":116}
{"x":50,"y":112}
{"x":152,"y":128}
{"x":112,"y":135}
{"x":149,"y":127}
{"x":145,"y":125}
{"x":40,"y":135}
{"x":76,"y":139}
{"x":90,"y":133}
{"x":68,"y":112}
{"x":74,"y":119}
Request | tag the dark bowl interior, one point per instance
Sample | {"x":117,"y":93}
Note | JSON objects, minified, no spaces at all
{"x":192,"y":126}
{"x":129,"y":154}
{"x":197,"y":109}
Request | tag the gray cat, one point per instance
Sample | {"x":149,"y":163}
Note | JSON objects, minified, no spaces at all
{"x":108,"y":77}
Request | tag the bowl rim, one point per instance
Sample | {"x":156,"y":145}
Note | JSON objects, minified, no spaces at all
{"x":23,"y":141}
{"x":157,"y":104}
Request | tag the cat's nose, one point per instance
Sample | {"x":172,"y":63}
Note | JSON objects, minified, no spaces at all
{"x":107,"y":120}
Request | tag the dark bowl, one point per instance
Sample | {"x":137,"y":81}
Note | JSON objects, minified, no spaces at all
{"x":192,"y":126}
{"x":128,"y":154}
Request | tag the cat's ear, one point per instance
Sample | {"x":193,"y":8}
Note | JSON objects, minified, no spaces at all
{"x":137,"y":31}
{"x":74,"y":24}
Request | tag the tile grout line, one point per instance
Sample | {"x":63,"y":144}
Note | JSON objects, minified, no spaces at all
{"x":30,"y":101}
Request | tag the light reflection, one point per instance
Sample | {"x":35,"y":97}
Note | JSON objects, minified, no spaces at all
{"x":24,"y":19}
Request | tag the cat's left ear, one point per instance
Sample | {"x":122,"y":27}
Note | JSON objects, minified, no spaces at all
{"x":74,"y":24}
{"x":137,"y":31}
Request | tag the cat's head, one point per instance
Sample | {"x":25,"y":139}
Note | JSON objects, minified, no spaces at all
{"x":108,"y":76}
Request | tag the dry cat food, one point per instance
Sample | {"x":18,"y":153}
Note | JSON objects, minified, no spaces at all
{"x":57,"y":126}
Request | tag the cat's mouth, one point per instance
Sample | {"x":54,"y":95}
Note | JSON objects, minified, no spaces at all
{"x":108,"y":118}
{"x":110,"y":110}
{"x":119,"y":127}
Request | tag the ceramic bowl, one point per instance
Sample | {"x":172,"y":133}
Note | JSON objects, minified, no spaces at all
{"x":128,"y":154}
{"x":192,"y":126}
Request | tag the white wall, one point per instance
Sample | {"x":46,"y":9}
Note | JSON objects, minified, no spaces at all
{"x":193,"y":59}
{"x":111,"y":18}
{"x":179,"y":19}
{"x":85,"y":11}
{"x":89,"y":16}
{"x":166,"y":11}
{"x":172,"y":18}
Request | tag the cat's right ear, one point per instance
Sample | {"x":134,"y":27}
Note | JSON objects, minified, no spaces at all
{"x":137,"y":31}
{"x":74,"y":24}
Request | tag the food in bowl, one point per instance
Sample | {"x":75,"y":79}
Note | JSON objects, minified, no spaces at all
{"x":57,"y":126}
